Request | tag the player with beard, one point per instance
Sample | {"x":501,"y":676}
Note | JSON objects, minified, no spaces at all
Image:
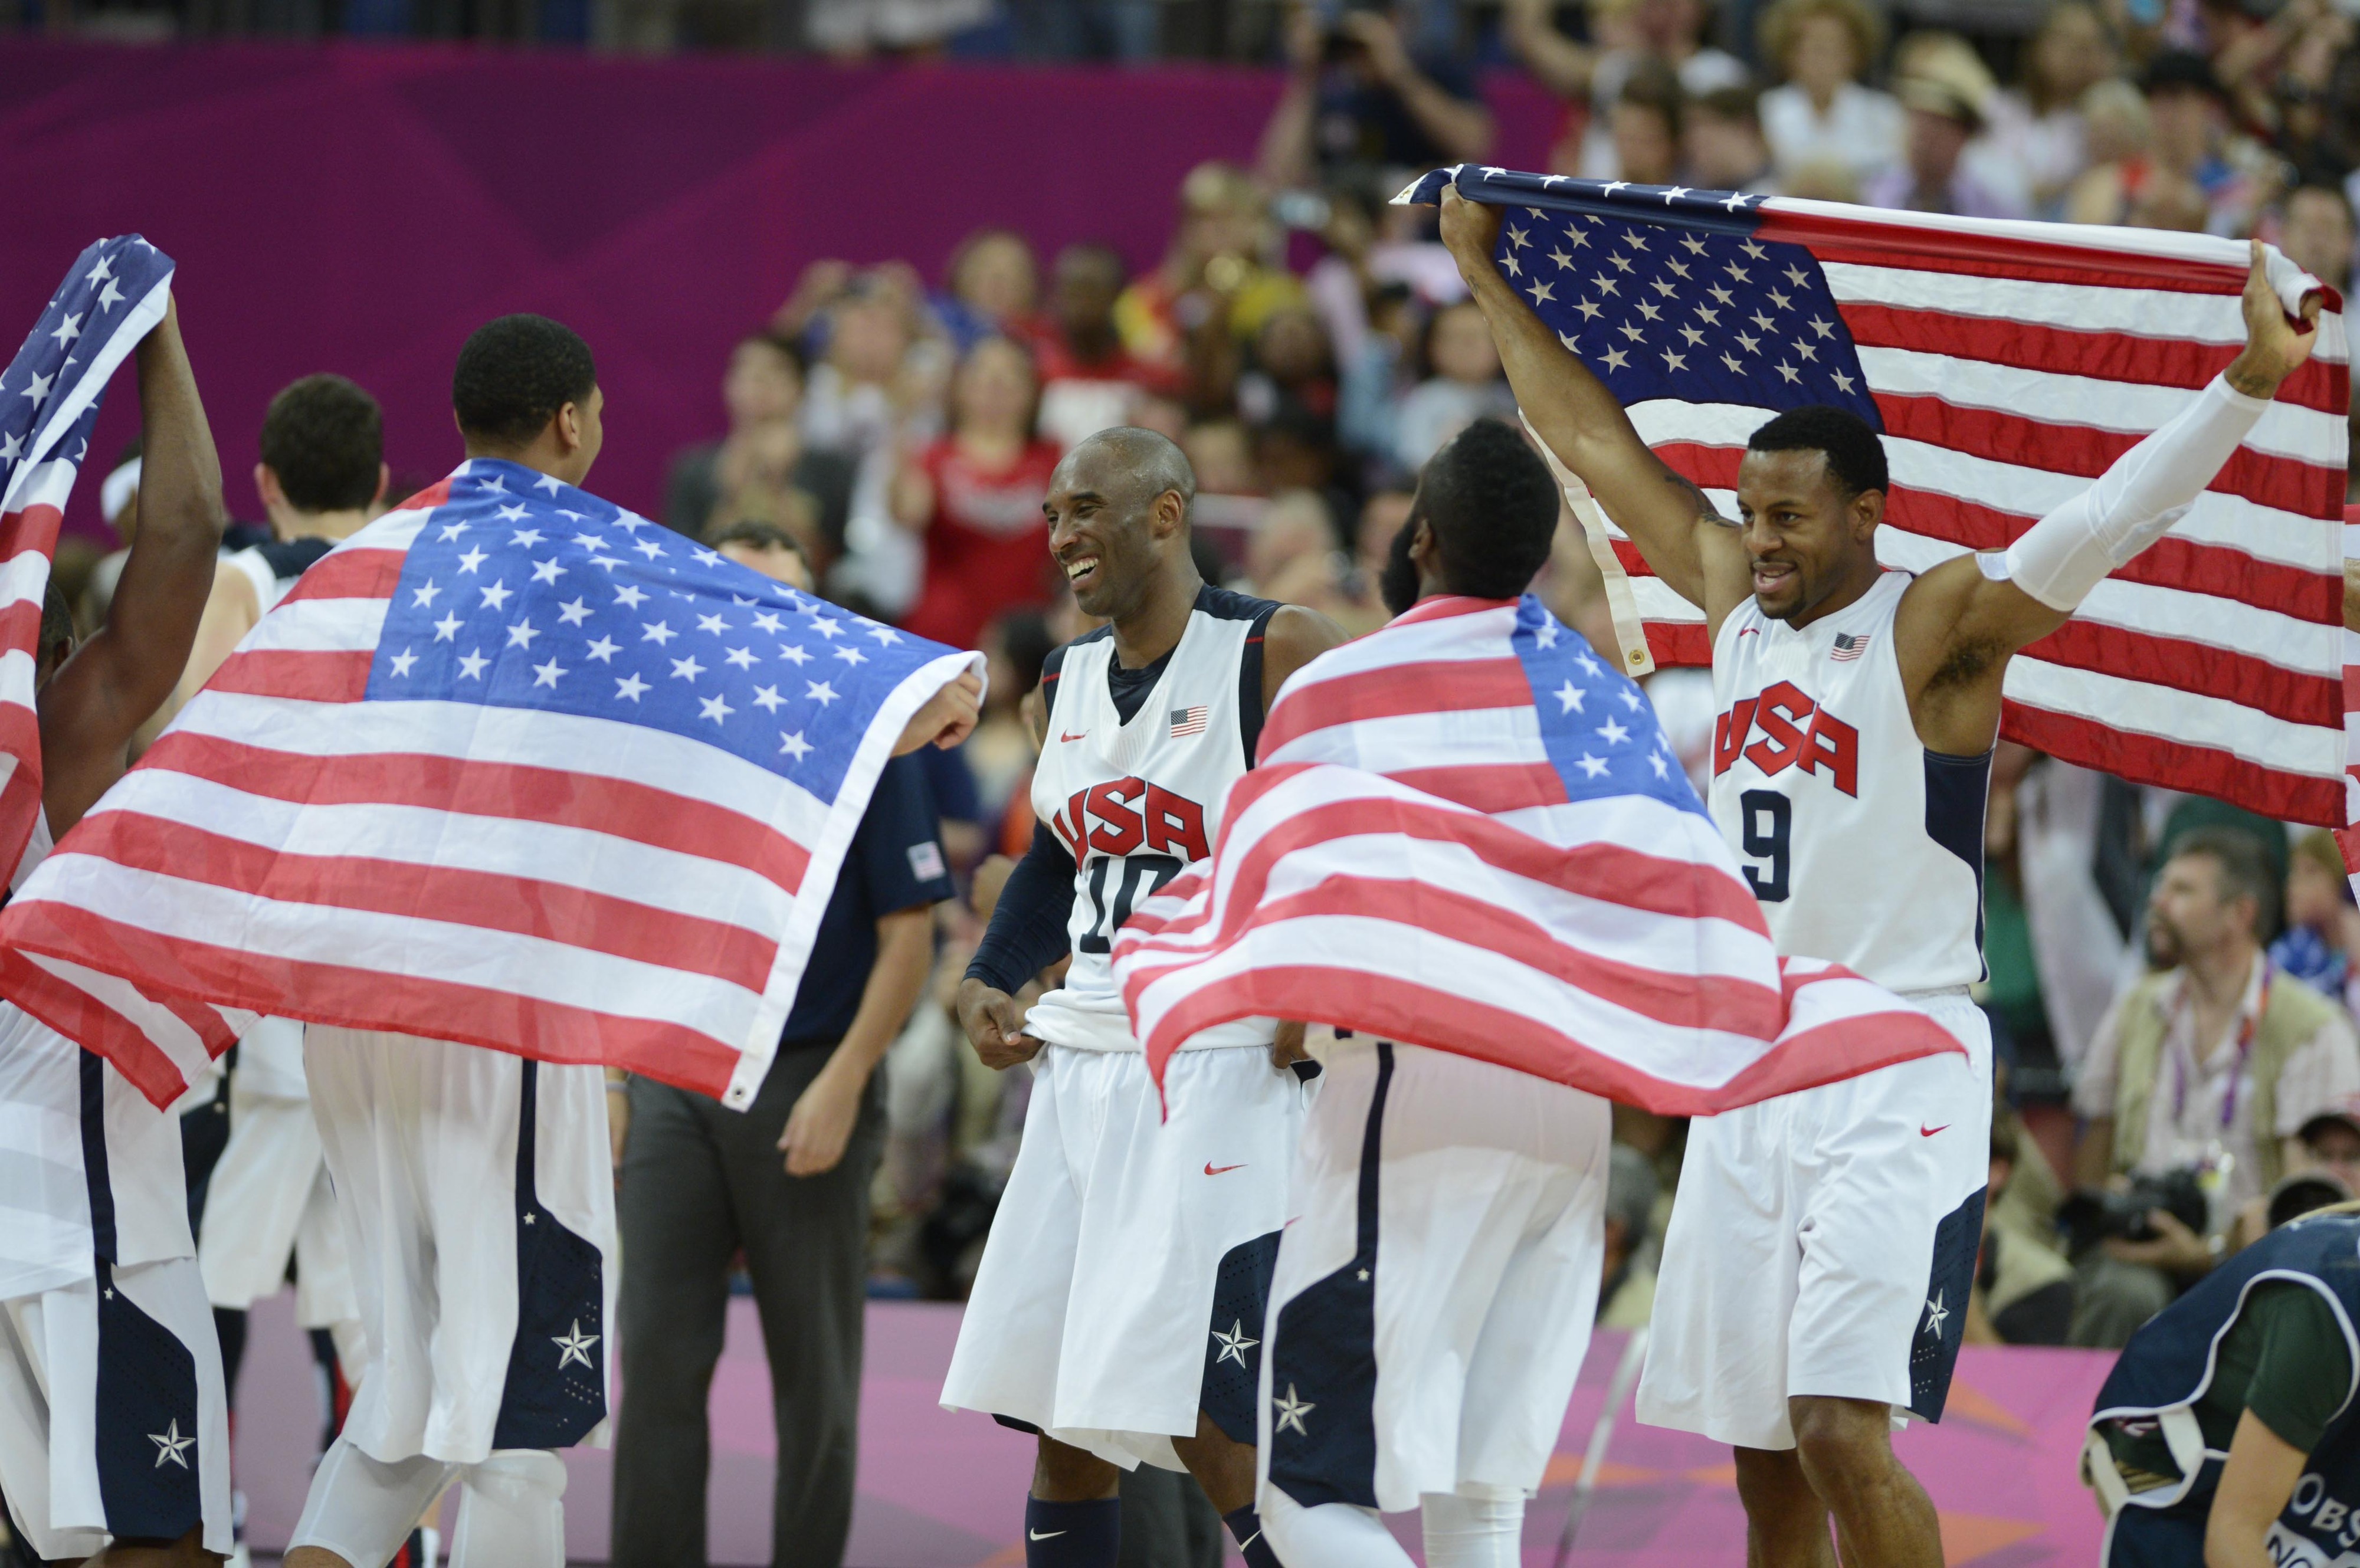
{"x":1118,"y":1310}
{"x":1814,"y":1276}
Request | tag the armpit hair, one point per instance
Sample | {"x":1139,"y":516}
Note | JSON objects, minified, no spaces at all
{"x":1966,"y":663}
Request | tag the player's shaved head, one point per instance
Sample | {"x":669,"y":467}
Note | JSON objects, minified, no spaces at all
{"x":1118,"y":510}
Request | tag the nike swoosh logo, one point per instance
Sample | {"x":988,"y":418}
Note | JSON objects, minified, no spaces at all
{"x":1213,"y":1169}
{"x":1924,"y":1131}
{"x":1042,"y":1534}
{"x":1084,"y":736}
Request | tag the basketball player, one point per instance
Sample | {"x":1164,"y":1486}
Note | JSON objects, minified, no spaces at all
{"x":114,"y":1424}
{"x":1438,"y":1280}
{"x":1817,"y":1268}
{"x":1119,"y":1306}
{"x":475,"y":1187}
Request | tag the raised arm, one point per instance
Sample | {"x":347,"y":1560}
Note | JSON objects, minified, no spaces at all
{"x":1959,"y":623}
{"x":1696,"y":552}
{"x":111,"y":683}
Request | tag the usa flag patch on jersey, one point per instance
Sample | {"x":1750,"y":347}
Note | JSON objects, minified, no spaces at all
{"x":1849,"y":647}
{"x":1186,"y":721}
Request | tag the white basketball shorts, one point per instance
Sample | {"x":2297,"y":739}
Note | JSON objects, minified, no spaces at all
{"x":478,"y":1197}
{"x":1122,"y":1289}
{"x":113,"y":1422}
{"x":1823,"y":1243}
{"x":1436,"y":1281}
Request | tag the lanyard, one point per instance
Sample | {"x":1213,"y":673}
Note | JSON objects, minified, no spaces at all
{"x":2182,"y":1058}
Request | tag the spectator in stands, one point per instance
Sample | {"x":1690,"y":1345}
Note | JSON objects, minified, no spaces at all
{"x":2209,"y":1065}
{"x":1626,"y":1291}
{"x":760,"y":468}
{"x":1292,"y":367}
{"x":1822,"y":113}
{"x":1215,"y":283}
{"x":2039,"y":128}
{"x":1356,"y":100}
{"x":1089,"y":382}
{"x":993,"y":289}
{"x":762,"y":547}
{"x":1645,"y":124}
{"x":1000,"y":752}
{"x":2192,"y":172}
{"x":2023,"y":1292}
{"x":1943,"y":90}
{"x":854,"y":29}
{"x":1460,"y":382}
{"x":1667,"y":33}
{"x":2317,"y":233}
{"x":2226,"y":1429}
{"x":976,"y":497}
{"x":1721,"y":141}
{"x":2322,"y":930}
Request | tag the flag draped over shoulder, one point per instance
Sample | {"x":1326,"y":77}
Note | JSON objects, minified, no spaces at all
{"x":511,"y":767}
{"x":1467,"y":832}
{"x":113,"y":296}
{"x":2006,"y":365}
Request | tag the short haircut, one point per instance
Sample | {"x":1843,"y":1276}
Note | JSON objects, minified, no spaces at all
{"x":1740,"y":104}
{"x":2321,"y":183}
{"x":325,"y":438}
{"x":1152,"y":455}
{"x":515,"y":373}
{"x":1854,"y":453}
{"x":756,"y":535}
{"x":1657,"y":86}
{"x":2245,"y":870}
{"x":1492,"y":506}
{"x":780,"y":344}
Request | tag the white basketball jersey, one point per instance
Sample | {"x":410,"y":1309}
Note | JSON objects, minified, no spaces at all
{"x":1137,"y":800}
{"x":1864,"y":848}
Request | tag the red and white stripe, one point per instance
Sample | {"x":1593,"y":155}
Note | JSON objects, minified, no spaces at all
{"x":1473,"y":908}
{"x":2011,"y":364}
{"x":570,"y":889}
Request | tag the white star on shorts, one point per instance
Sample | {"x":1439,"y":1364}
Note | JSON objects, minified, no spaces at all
{"x":1234,"y":1344}
{"x":575,"y":1346}
{"x":1291,"y":1412}
{"x":1935,"y":1314}
{"x":169,"y":1443}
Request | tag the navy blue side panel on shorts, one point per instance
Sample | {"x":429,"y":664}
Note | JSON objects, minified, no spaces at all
{"x":94,"y":1154}
{"x":2159,"y":1537}
{"x":1942,"y":1320}
{"x":146,"y":1421}
{"x":556,"y":1389}
{"x":1233,"y":1356}
{"x":1323,"y":1372}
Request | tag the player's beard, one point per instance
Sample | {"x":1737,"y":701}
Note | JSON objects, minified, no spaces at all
{"x":1398,"y":585}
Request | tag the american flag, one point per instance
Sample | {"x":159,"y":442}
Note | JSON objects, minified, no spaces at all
{"x":2006,"y":364}
{"x":1467,"y":832}
{"x":1186,"y":721}
{"x":511,"y":767}
{"x":1849,"y":647}
{"x":113,"y":294}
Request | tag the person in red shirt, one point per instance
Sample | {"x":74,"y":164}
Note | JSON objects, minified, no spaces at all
{"x":976,"y":496}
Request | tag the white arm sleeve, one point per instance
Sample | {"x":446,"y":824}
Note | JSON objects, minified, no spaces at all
{"x":2129,"y":507}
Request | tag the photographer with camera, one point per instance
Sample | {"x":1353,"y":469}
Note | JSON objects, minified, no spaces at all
{"x":1358,"y":102}
{"x":2194,"y":1087}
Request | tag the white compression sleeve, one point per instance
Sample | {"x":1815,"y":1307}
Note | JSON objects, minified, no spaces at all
{"x":1473,"y":1532}
{"x":511,"y":1511}
{"x":1329,"y":1535}
{"x":2128,"y":507}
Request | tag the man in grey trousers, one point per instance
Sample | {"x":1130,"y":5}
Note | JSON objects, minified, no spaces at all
{"x":787,"y":1180}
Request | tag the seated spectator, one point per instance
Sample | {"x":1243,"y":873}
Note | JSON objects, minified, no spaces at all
{"x":1089,"y":382}
{"x":1216,"y":273}
{"x":1626,"y":1290}
{"x":2039,"y":128}
{"x":1943,"y":89}
{"x":2328,"y":1174}
{"x":2209,"y":1066}
{"x":2317,"y":233}
{"x":1822,"y":113}
{"x":1358,"y":102}
{"x":2190,"y":154}
{"x":751,"y":472}
{"x":1623,"y":38}
{"x":1460,"y":383}
{"x":976,"y":497}
{"x":764,"y":548}
{"x":2225,"y":1433}
{"x":1645,"y":124}
{"x":1720,"y":142}
{"x":994,"y":287}
{"x":2323,"y":928}
{"x":2022,"y":1293}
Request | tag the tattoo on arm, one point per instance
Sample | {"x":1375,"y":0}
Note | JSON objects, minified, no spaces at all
{"x":1704,"y":507}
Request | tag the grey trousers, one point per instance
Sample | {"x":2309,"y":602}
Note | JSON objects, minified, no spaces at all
{"x":699,"y":1183}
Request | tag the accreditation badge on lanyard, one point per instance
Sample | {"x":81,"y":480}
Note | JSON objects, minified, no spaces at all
{"x":2212,"y":1174}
